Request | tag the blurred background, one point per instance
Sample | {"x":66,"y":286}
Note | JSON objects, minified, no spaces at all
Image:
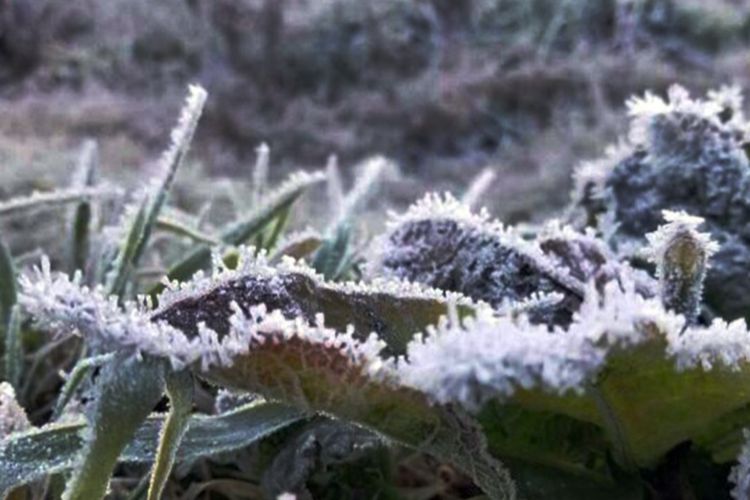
{"x":443,"y":87}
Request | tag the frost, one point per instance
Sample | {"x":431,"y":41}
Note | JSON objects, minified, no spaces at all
{"x":649,"y":108}
{"x":479,"y":187}
{"x":12,"y":416}
{"x":260,"y":172}
{"x":740,"y":474}
{"x":679,"y":225}
{"x":721,"y":344}
{"x":489,"y":356}
{"x":730,"y":99}
{"x":287,"y":286}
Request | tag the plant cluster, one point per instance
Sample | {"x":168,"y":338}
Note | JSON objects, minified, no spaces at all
{"x":602,"y":354}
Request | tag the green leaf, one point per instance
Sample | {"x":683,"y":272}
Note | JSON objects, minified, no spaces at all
{"x":180,"y":392}
{"x":321,"y":377}
{"x":31,"y":456}
{"x":127,"y":390}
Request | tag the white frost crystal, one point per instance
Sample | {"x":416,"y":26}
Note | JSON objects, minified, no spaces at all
{"x":12,"y":416}
{"x":62,"y":305}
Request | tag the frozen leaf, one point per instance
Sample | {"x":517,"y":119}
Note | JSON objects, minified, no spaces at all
{"x":395,"y":310}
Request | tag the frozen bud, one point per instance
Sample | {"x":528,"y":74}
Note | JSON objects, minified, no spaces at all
{"x":681,"y":255}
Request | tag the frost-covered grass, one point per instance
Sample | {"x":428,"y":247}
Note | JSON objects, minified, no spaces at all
{"x":604,"y":353}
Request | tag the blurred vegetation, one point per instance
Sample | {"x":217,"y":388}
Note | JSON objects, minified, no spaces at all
{"x":444,"y":87}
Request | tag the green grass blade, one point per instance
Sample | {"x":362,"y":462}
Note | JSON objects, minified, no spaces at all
{"x":179,"y":228}
{"x":8,"y":291}
{"x":180,"y":391}
{"x":85,"y":176}
{"x":137,"y":229}
{"x":328,"y":259}
{"x":13,"y":348}
{"x":53,"y":199}
{"x":31,"y":456}
{"x":234,"y":234}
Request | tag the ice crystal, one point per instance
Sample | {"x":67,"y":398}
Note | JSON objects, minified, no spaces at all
{"x":260,"y":172}
{"x":12,"y":416}
{"x":479,"y":187}
{"x":492,"y":357}
{"x":740,"y":474}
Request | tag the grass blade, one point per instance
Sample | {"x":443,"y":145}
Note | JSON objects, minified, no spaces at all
{"x":180,"y":391}
{"x":268,"y":211}
{"x":137,"y":229}
{"x":53,"y":199}
{"x":8,"y":291}
{"x":13,"y":348}
{"x":85,"y":176}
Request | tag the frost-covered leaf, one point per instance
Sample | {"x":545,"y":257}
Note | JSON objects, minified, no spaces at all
{"x":440,"y":242}
{"x":624,"y":364}
{"x":29,"y":456}
{"x":318,"y":369}
{"x":394,"y":310}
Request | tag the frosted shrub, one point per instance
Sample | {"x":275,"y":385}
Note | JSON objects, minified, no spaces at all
{"x":576,"y":359}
